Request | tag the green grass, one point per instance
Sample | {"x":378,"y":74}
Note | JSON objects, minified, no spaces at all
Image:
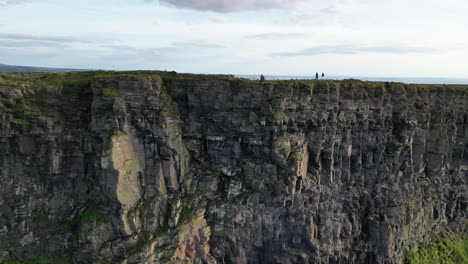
{"x":162,"y":230}
{"x":83,"y":79}
{"x":66,"y":226}
{"x":145,"y":240}
{"x":41,"y":260}
{"x":25,"y":111}
{"x":274,"y":104}
{"x":19,"y":121}
{"x":21,"y":108}
{"x":185,"y":215}
{"x":448,"y":249}
{"x":76,"y":95}
{"x":167,"y":110}
{"x":107,"y":138}
{"x":294,"y":160}
{"x":110,"y":93}
{"x":92,"y":214}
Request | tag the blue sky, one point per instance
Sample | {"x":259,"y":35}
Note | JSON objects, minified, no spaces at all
{"x":421,"y":38}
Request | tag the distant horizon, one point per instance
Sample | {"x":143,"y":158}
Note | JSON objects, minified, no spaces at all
{"x":408,"y":80}
{"x":404,"y":79}
{"x":299,"y":76}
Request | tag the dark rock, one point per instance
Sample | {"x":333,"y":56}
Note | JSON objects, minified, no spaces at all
{"x":154,"y":167}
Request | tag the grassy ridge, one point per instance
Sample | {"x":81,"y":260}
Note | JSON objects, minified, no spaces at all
{"x":83,"y":78}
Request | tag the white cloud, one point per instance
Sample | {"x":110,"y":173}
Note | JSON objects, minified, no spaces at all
{"x":226,"y":6}
{"x":354,"y":49}
{"x":58,"y":39}
{"x":277,"y":35}
{"x":12,"y":2}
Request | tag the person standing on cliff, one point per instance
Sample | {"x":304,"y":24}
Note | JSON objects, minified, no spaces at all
{"x":316,"y":76}
{"x":262,"y":77}
{"x":323,"y":75}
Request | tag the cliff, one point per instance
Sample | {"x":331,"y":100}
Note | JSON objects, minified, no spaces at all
{"x":157,"y":167}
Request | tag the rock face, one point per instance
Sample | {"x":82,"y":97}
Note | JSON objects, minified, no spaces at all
{"x":155,"y":167}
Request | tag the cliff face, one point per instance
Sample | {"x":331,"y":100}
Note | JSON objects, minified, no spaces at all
{"x":150,"y":167}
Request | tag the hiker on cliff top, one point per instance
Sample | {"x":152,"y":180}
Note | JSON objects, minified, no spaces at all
{"x":316,"y":76}
{"x":262,"y":77}
{"x":323,"y":75}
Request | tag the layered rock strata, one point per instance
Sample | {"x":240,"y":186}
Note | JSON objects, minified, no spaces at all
{"x":156,"y":167}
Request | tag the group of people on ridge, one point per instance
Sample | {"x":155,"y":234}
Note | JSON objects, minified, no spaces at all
{"x":317,"y":75}
{"x":262,"y":77}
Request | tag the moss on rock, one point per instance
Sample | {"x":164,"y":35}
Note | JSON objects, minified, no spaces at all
{"x":449,"y":249}
{"x":92,"y":214}
{"x":110,"y":93}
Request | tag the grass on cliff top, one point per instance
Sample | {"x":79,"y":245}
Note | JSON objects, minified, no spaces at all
{"x":444,"y":249}
{"x":47,"y":79}
{"x":84,"y":78}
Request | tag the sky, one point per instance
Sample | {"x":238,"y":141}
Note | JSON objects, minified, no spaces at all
{"x":397,"y":38}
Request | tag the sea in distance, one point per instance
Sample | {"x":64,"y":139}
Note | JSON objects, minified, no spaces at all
{"x":415,"y":80}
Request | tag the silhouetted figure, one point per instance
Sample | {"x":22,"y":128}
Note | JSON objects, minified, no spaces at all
{"x":262,"y":77}
{"x":316,"y":76}
{"x":323,"y":75}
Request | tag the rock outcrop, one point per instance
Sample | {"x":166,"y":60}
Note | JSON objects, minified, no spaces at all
{"x":156,"y":167}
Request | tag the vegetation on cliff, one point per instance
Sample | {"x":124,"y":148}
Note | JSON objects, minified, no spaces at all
{"x":83,"y":78}
{"x":444,"y":249}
